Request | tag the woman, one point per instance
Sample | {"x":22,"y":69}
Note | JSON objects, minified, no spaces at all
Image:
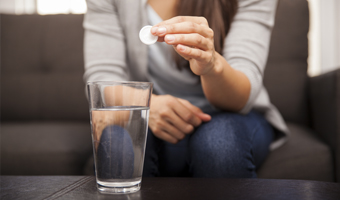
{"x":210,"y":115}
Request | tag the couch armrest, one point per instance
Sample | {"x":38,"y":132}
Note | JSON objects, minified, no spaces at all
{"x":325,"y":110}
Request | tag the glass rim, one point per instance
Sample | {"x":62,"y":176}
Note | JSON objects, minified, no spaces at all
{"x":118,"y":82}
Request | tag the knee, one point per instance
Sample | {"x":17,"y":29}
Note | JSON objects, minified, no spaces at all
{"x":115,"y":138}
{"x":115,"y":149}
{"x":219,"y":136}
{"x":219,"y":149}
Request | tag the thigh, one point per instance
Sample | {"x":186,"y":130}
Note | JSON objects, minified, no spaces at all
{"x":230,"y":145}
{"x":165,"y":159}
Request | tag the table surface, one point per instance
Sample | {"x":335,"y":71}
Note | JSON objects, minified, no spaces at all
{"x":84,"y":187}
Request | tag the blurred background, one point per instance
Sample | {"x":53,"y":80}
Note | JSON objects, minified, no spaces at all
{"x":324,"y":35}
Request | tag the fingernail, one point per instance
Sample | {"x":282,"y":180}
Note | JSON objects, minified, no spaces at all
{"x":153,"y":30}
{"x":170,"y":38}
{"x":161,"y":30}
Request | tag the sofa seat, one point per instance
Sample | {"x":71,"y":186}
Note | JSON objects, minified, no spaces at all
{"x":303,"y":157}
{"x":44,"y":148}
{"x":63,"y":148}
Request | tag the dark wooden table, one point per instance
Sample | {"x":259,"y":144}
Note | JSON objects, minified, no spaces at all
{"x":84,"y":187}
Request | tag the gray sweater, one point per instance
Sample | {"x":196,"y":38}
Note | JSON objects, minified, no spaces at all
{"x":113,"y":50}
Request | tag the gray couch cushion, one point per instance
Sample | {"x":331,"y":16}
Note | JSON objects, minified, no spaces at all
{"x":45,"y":148}
{"x":20,"y":41}
{"x":42,"y":68}
{"x":286,"y":72}
{"x":302,"y":157}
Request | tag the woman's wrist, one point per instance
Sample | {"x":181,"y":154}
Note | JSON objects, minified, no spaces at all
{"x":225,"y":87}
{"x":218,"y":66}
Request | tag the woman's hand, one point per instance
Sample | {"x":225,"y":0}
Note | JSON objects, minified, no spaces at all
{"x":192,"y":38}
{"x":172,"y":118}
{"x":225,"y":87}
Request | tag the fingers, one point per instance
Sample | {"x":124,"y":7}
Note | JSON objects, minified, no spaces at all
{"x":192,"y":46}
{"x":173,"y":131}
{"x":184,"y":27}
{"x":180,"y":19}
{"x":193,"y":108}
{"x":203,"y":116}
{"x":187,"y":115}
{"x":193,"y":53}
{"x":169,"y":127}
{"x":191,"y":40}
{"x":181,"y":124}
{"x":172,"y":118}
{"x":178,"y":116}
{"x":165,"y":131}
{"x":165,"y":136}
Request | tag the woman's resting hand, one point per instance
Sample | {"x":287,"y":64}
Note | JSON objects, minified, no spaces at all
{"x":172,"y":118}
{"x":192,"y":38}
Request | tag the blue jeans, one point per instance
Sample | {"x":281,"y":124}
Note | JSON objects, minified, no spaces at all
{"x":230,"y":145}
{"x":115,"y":156}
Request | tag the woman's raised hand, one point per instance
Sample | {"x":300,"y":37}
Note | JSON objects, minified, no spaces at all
{"x":172,"y":118}
{"x":192,"y":39}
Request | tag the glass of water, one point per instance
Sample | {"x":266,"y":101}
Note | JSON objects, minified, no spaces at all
{"x":119,"y":113}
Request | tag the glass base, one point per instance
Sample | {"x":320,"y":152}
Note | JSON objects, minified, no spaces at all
{"x":118,"y":190}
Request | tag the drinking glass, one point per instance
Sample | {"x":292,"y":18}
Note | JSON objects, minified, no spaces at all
{"x":119,"y":114}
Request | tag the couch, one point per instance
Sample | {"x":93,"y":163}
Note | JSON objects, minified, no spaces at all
{"x":45,"y":126}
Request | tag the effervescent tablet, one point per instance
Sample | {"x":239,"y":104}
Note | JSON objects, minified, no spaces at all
{"x":146,"y":37}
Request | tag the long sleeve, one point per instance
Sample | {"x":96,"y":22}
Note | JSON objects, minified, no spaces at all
{"x":104,"y":43}
{"x":247,"y":44}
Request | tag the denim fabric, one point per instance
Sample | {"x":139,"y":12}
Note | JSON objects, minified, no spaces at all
{"x":115,"y":156}
{"x":230,"y":145}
